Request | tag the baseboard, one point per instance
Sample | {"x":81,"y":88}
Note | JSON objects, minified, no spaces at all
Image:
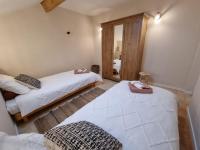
{"x":192,"y":129}
{"x":172,"y":87}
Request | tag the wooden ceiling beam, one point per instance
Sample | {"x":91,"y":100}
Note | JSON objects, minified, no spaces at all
{"x":49,"y":5}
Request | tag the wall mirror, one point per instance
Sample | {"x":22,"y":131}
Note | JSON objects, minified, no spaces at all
{"x":117,"y":51}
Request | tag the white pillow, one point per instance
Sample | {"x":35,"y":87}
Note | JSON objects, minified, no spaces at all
{"x":8,"y":83}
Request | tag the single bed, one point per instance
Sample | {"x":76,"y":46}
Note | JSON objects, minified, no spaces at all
{"x":54,"y":88}
{"x":138,"y":121}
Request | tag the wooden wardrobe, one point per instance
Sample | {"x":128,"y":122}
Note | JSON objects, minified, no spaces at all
{"x":134,"y":31}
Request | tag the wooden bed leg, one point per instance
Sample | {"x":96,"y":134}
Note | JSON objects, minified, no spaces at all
{"x":25,"y":119}
{"x":94,"y":85}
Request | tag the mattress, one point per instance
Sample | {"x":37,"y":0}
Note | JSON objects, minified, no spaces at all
{"x":53,"y":87}
{"x":138,"y":121}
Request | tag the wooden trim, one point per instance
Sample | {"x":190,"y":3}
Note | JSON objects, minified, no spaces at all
{"x":18,"y":117}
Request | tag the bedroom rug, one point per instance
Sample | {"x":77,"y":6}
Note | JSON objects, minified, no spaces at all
{"x":59,"y":114}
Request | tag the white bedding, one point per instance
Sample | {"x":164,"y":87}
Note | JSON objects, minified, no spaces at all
{"x":138,"y":121}
{"x":117,"y":65}
{"x":53,"y":87}
{"x":12,"y":107}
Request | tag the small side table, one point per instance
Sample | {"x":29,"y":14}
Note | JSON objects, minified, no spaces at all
{"x":145,"y":77}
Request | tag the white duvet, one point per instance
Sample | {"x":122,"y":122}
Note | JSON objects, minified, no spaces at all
{"x":138,"y":121}
{"x":54,"y":87}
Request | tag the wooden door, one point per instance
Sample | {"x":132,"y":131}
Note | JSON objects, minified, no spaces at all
{"x":132,"y":48}
{"x":107,"y":51}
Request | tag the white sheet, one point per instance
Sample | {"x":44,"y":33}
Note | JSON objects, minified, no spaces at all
{"x":12,"y":107}
{"x":138,"y":121}
{"x":54,"y":87}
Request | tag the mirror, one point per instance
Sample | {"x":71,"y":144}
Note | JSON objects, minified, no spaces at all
{"x":117,"y":51}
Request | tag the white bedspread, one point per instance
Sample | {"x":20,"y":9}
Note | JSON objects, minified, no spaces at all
{"x":138,"y":121}
{"x":54,"y":87}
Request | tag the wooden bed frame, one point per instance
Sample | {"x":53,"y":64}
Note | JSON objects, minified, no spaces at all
{"x":18,"y":117}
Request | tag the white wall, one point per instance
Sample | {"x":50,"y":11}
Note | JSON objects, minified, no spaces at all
{"x":35,"y":43}
{"x":6,"y":124}
{"x":171,"y":46}
{"x":195,"y":113}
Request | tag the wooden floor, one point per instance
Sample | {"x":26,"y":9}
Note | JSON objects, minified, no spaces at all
{"x":57,"y":115}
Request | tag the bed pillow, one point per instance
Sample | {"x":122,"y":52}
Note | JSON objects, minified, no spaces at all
{"x":81,"y":135}
{"x":8,"y":83}
{"x":28,"y":81}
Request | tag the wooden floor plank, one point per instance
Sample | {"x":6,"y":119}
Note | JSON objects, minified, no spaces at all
{"x":45,"y":123}
{"x":59,"y":115}
{"x":88,"y":97}
{"x":99,"y":91}
{"x":69,"y":109}
{"x":96,"y":92}
{"x":66,"y":111}
{"x":79,"y":102}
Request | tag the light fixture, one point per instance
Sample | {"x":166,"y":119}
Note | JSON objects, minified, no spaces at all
{"x":100,"y":29}
{"x":157,"y":18}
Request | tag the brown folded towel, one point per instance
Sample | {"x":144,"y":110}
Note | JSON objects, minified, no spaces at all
{"x":145,"y":90}
{"x":81,"y":71}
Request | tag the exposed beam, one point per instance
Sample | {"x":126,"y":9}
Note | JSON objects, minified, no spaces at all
{"x":49,"y":5}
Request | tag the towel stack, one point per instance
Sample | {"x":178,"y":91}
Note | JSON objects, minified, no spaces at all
{"x":139,"y":87}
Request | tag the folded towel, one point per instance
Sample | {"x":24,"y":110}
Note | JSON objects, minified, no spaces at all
{"x":81,"y":71}
{"x":142,"y":90}
{"x":140,"y":85}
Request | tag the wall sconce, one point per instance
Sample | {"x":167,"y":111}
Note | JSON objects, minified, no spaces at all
{"x":157,"y":18}
{"x":100,"y":29}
